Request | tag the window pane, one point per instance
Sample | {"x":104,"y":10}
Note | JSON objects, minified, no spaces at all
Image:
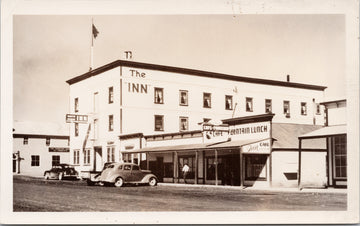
{"x":158,"y":96}
{"x":207,"y":100}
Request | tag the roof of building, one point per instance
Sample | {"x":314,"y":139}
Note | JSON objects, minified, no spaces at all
{"x":200,"y":73}
{"x":333,"y":102}
{"x":325,"y":132}
{"x":39,"y":129}
{"x":286,"y":135}
{"x":248,"y":119}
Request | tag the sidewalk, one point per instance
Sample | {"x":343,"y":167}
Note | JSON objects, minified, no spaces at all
{"x":263,"y":189}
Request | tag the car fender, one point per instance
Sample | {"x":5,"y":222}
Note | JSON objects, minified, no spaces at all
{"x":147,"y":178}
{"x":110,"y":179}
{"x":46,"y":172}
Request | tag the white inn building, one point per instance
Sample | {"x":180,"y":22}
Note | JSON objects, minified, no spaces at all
{"x":230,"y":130}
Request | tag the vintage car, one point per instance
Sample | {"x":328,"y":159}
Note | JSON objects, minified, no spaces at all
{"x":119,"y":174}
{"x":61,"y":171}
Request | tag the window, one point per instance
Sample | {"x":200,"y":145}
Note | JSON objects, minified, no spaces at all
{"x":183,"y":98}
{"x":287,"y":108}
{"x":76,"y":129}
{"x":55,"y":160}
{"x":255,"y":166}
{"x":340,"y":156}
{"x":184,"y":123}
{"x":318,"y":111}
{"x":26,"y":141}
{"x":207,"y":100}
{"x":159,"y":123}
{"x":268,"y":106}
{"x":86,"y":156}
{"x":127,"y":167}
{"x":111,"y":123}
{"x":303,"y":108}
{"x":76,"y":157}
{"x":111,"y":95}
{"x":228,"y":102}
{"x":76,"y":104}
{"x":158,"y":95}
{"x":47,"y":141}
{"x":135,"y":167}
{"x":110,"y":154}
{"x":35,"y":160}
{"x":249,"y":104}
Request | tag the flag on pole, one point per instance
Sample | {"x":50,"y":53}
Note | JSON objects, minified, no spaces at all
{"x":95,"y":32}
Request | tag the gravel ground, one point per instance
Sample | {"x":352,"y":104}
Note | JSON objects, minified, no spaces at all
{"x":38,"y":195}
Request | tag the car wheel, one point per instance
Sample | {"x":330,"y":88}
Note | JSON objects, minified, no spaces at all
{"x":60,"y":176}
{"x":152,"y":181}
{"x":89,"y":182}
{"x":119,"y":182}
{"x":46,"y":177}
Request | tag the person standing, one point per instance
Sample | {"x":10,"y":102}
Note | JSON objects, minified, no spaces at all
{"x":185,"y":171}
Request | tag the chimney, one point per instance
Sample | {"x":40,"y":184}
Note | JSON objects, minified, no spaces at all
{"x":288,"y":78}
{"x":128,"y":55}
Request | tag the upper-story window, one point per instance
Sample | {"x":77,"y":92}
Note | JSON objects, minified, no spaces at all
{"x":26,"y":141}
{"x":268,"y":106}
{"x":318,"y":111}
{"x":303,"y":108}
{"x":183,"y":94}
{"x":228,"y":102}
{"x":184,"y":123}
{"x":111,"y":123}
{"x":111,"y":95}
{"x":76,"y":129}
{"x":158,"y":95}
{"x":76,"y":104}
{"x":159,"y":123}
{"x":207,"y":100}
{"x":287,"y":108}
{"x":47,"y":141}
{"x":249,"y":104}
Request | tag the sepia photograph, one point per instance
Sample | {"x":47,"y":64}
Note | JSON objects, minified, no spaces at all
{"x":180,"y":115}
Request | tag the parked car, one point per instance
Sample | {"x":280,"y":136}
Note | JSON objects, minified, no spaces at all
{"x":61,"y":171}
{"x":119,"y":174}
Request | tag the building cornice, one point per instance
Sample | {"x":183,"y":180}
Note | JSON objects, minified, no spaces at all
{"x":24,"y":135}
{"x":187,"y":71}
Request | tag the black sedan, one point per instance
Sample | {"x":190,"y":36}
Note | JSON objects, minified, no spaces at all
{"x":61,"y":171}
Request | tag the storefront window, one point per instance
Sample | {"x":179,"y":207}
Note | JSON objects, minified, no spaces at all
{"x":255,"y":167}
{"x":340,"y":156}
{"x":210,"y":168}
{"x":35,"y":160}
{"x":55,"y":160}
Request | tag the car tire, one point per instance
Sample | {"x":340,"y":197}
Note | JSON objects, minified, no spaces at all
{"x":152,"y":181}
{"x":46,"y":176}
{"x":90,"y":183}
{"x":60,"y":176}
{"x":119,"y":182}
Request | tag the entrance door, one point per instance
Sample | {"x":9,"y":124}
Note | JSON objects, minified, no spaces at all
{"x":14,"y":165}
{"x":160,"y":168}
{"x":98,"y":163}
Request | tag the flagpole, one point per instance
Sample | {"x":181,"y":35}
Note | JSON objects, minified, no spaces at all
{"x":92,"y":46}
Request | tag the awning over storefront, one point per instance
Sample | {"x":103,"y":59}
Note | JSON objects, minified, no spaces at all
{"x":325,"y":132}
{"x":188,"y":147}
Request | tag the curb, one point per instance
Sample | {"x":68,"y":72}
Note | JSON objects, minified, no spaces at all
{"x":250,"y":189}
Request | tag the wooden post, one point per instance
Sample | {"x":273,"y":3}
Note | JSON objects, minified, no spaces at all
{"x":216,"y":168}
{"x":299,"y":167}
{"x":241,"y":168}
{"x":147,"y":160}
{"x":176,"y":172}
{"x":196,"y":166}
{"x":18,"y":162}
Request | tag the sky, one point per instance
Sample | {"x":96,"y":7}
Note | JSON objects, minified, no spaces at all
{"x":48,"y":50}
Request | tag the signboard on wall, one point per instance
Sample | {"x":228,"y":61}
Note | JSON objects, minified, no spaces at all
{"x":215,"y":133}
{"x":261,"y":147}
{"x":257,"y":130}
